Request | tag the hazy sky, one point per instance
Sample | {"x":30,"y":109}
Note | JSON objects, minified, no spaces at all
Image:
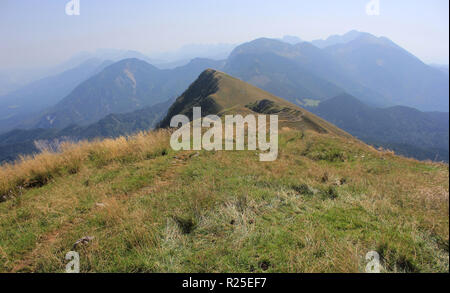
{"x":38,"y":32}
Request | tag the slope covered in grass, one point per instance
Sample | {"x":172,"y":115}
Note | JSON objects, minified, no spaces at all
{"x":219,"y":93}
{"x":320,"y":207}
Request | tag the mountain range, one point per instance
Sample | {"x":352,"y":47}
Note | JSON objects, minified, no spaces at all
{"x":407,"y":131}
{"x":403,"y":79}
{"x":337,"y":39}
{"x":16,"y":106}
{"x":325,"y":201}
{"x":357,"y":81}
{"x":121,"y":87}
{"x":30,"y":141}
{"x":374,"y":69}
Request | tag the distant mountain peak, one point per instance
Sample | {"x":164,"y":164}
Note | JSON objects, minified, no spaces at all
{"x":264,"y":45}
{"x":293,"y":40}
{"x":369,"y":38}
{"x":132,"y":62}
{"x":340,"y":39}
{"x":125,"y":86}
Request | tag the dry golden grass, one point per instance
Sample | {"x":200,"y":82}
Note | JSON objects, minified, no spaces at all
{"x":37,"y":170}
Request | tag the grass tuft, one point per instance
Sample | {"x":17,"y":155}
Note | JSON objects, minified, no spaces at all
{"x":329,"y":192}
{"x":186,"y":225}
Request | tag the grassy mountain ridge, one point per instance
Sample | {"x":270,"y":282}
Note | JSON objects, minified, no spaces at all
{"x":219,"y":93}
{"x":324,"y":203}
{"x":320,"y":207}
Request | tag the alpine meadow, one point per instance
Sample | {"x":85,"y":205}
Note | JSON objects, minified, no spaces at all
{"x":284,"y":137}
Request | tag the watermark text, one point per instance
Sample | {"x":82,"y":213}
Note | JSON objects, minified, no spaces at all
{"x":235,"y":126}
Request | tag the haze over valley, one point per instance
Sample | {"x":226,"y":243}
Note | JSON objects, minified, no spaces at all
{"x":200,"y":136}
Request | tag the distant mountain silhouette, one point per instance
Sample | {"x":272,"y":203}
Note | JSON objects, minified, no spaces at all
{"x":380,"y":64}
{"x":291,"y":40}
{"x":23,"y":142}
{"x":295,"y":72}
{"x":337,"y":39}
{"x":125,"y":86}
{"x":442,"y":68}
{"x":37,"y":96}
{"x":422,"y":135}
{"x":374,"y":69}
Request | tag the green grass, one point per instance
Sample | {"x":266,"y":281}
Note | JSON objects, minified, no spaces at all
{"x":228,"y":212}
